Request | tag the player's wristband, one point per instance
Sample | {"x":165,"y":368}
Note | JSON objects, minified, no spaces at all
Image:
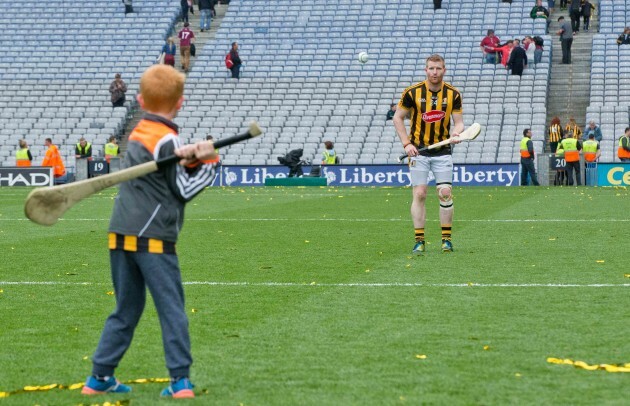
{"x":405,"y":145}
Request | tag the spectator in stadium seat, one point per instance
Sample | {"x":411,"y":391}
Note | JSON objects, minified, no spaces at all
{"x":184,"y":6}
{"x":118,"y":88}
{"x":53,"y":158}
{"x":23,"y":155}
{"x":128,"y":6}
{"x":573,"y":128}
{"x":539,"y":42}
{"x":437,"y":4}
{"x":527,"y":159}
{"x":169,"y":49}
{"x":391,"y":112}
{"x":555,"y":133}
{"x":624,"y":39}
{"x":623,"y":152}
{"x":505,"y":50}
{"x":530,"y":49}
{"x":518,"y":59}
{"x":594,"y":129}
{"x":566,"y":37}
{"x":186,"y":37}
{"x":585,"y":11}
{"x":552,"y":5}
{"x":538,"y":11}
{"x":563,"y":4}
{"x":83,"y":149}
{"x":329,"y":156}
{"x":205,"y":9}
{"x":236,"y":60}
{"x":487,"y":46}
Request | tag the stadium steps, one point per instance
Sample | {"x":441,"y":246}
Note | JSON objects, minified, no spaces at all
{"x":200,"y":37}
{"x":569,"y":86}
{"x":200,"y":40}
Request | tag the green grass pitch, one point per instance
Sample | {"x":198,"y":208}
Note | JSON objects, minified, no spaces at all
{"x":309,"y":296}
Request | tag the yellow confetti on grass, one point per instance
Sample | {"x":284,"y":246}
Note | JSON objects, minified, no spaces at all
{"x":591,"y":367}
{"x":75,"y":386}
{"x":626,"y":275}
{"x":110,"y":293}
{"x":600,"y":261}
{"x":421,"y":356}
{"x":552,"y":239}
{"x":517,"y":375}
{"x":193,"y":310}
{"x":486,"y":347}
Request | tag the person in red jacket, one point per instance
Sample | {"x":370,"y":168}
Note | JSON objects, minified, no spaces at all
{"x":506,"y":50}
{"x":236,"y":61}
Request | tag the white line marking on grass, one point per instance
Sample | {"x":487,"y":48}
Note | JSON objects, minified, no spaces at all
{"x":363,"y":220}
{"x":358,"y":285}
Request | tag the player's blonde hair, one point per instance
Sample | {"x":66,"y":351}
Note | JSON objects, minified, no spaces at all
{"x":161,"y":87}
{"x":436,"y":58}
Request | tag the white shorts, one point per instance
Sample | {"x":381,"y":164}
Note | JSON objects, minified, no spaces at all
{"x":441,"y":166}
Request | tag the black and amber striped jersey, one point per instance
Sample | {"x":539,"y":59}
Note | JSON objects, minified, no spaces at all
{"x":430,"y":114}
{"x":577,"y":131}
{"x":555,"y":133}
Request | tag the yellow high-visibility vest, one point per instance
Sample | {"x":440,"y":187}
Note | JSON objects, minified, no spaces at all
{"x":21,"y":157}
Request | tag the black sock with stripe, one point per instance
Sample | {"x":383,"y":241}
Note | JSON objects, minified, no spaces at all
{"x":446,"y":232}
{"x":419,"y":234}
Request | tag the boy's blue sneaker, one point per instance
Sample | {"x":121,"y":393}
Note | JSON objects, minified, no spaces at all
{"x":419,"y":248}
{"x":94,"y":386}
{"x":181,"y":389}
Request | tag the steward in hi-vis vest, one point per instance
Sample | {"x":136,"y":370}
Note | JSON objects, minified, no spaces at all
{"x":23,"y":156}
{"x":527,"y":159}
{"x":111,"y":149}
{"x":572,"y":147}
{"x":53,"y":158}
{"x":623,"y":152}
{"x":329,"y":156}
{"x":83,"y":149}
{"x":591,"y":149}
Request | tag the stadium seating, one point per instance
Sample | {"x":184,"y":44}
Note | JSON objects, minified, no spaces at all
{"x":55,"y":76}
{"x":302,"y":81}
{"x":610,"y":77}
{"x":301,"y":78}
